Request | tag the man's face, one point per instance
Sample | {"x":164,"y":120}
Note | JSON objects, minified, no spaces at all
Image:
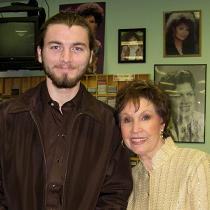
{"x":65,"y":54}
{"x":183,"y":103}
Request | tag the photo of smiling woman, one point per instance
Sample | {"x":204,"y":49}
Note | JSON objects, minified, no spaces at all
{"x":182,"y":33}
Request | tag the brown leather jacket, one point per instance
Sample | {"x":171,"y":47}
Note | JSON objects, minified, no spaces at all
{"x":98,"y":175}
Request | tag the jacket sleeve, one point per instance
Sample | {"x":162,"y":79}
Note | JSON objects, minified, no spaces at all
{"x":3,"y":205}
{"x":2,"y":196}
{"x":118,"y":183}
{"x":200,"y":194}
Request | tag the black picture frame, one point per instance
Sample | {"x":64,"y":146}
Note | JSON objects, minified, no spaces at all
{"x":186,"y":86}
{"x":132,"y":45}
{"x":182,"y":33}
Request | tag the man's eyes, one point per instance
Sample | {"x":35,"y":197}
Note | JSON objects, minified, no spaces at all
{"x":190,"y":94}
{"x":55,"y":47}
{"x":72,"y":49}
{"x":187,"y":94}
{"x":77,"y":49}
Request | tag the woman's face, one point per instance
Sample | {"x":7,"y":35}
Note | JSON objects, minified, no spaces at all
{"x":92,"y":23}
{"x":141,"y":128}
{"x":181,"y":32}
{"x":133,"y":42}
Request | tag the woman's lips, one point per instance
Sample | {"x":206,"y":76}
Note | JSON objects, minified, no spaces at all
{"x":139,"y":140}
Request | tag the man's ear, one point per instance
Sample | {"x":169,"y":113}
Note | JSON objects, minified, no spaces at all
{"x":39,"y":54}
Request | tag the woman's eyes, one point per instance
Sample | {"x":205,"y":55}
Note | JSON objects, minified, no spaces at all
{"x":129,"y":119}
{"x":146,"y":117}
{"x":125,"y":120}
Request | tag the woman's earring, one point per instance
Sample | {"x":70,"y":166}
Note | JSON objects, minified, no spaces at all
{"x":122,"y":143}
{"x":161,"y":133}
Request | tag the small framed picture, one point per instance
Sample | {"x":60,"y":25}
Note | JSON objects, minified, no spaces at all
{"x":182,"y":36}
{"x":131,"y":45}
{"x":186,"y":86}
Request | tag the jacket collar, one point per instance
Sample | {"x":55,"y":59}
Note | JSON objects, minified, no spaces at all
{"x":29,"y":100}
{"x":163,"y":155}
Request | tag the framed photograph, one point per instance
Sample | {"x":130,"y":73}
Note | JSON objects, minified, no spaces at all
{"x":131,"y":45}
{"x":182,"y":33}
{"x":186,"y":86}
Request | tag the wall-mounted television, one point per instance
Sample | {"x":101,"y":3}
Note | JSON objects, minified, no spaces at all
{"x":18,"y":37}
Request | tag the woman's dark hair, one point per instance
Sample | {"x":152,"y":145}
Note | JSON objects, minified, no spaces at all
{"x":189,"y":45}
{"x":135,"y":90}
{"x":128,"y":35}
{"x":69,"y":19}
{"x":91,"y":9}
{"x":172,"y":79}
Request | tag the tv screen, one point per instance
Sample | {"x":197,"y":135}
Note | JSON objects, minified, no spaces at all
{"x":18,"y":38}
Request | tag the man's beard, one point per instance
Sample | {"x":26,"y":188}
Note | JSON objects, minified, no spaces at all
{"x":63,"y":81}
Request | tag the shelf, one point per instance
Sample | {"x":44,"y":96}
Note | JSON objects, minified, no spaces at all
{"x":103,"y":87}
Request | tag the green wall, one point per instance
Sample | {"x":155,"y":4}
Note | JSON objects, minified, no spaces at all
{"x":148,"y":14}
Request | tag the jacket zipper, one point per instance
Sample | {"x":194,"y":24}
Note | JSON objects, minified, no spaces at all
{"x":65,"y":175}
{"x":44,"y":155}
{"x":79,"y":114}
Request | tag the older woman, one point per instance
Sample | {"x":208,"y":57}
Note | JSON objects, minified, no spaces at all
{"x":166,"y":177}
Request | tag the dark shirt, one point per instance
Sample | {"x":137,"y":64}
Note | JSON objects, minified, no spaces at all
{"x":187,"y":50}
{"x":56,"y":143}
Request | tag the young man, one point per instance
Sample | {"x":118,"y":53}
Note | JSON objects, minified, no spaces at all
{"x":60,"y":148}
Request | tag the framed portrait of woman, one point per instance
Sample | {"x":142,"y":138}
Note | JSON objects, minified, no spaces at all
{"x":182,"y":32}
{"x":186,"y":86}
{"x":131,"y":45}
